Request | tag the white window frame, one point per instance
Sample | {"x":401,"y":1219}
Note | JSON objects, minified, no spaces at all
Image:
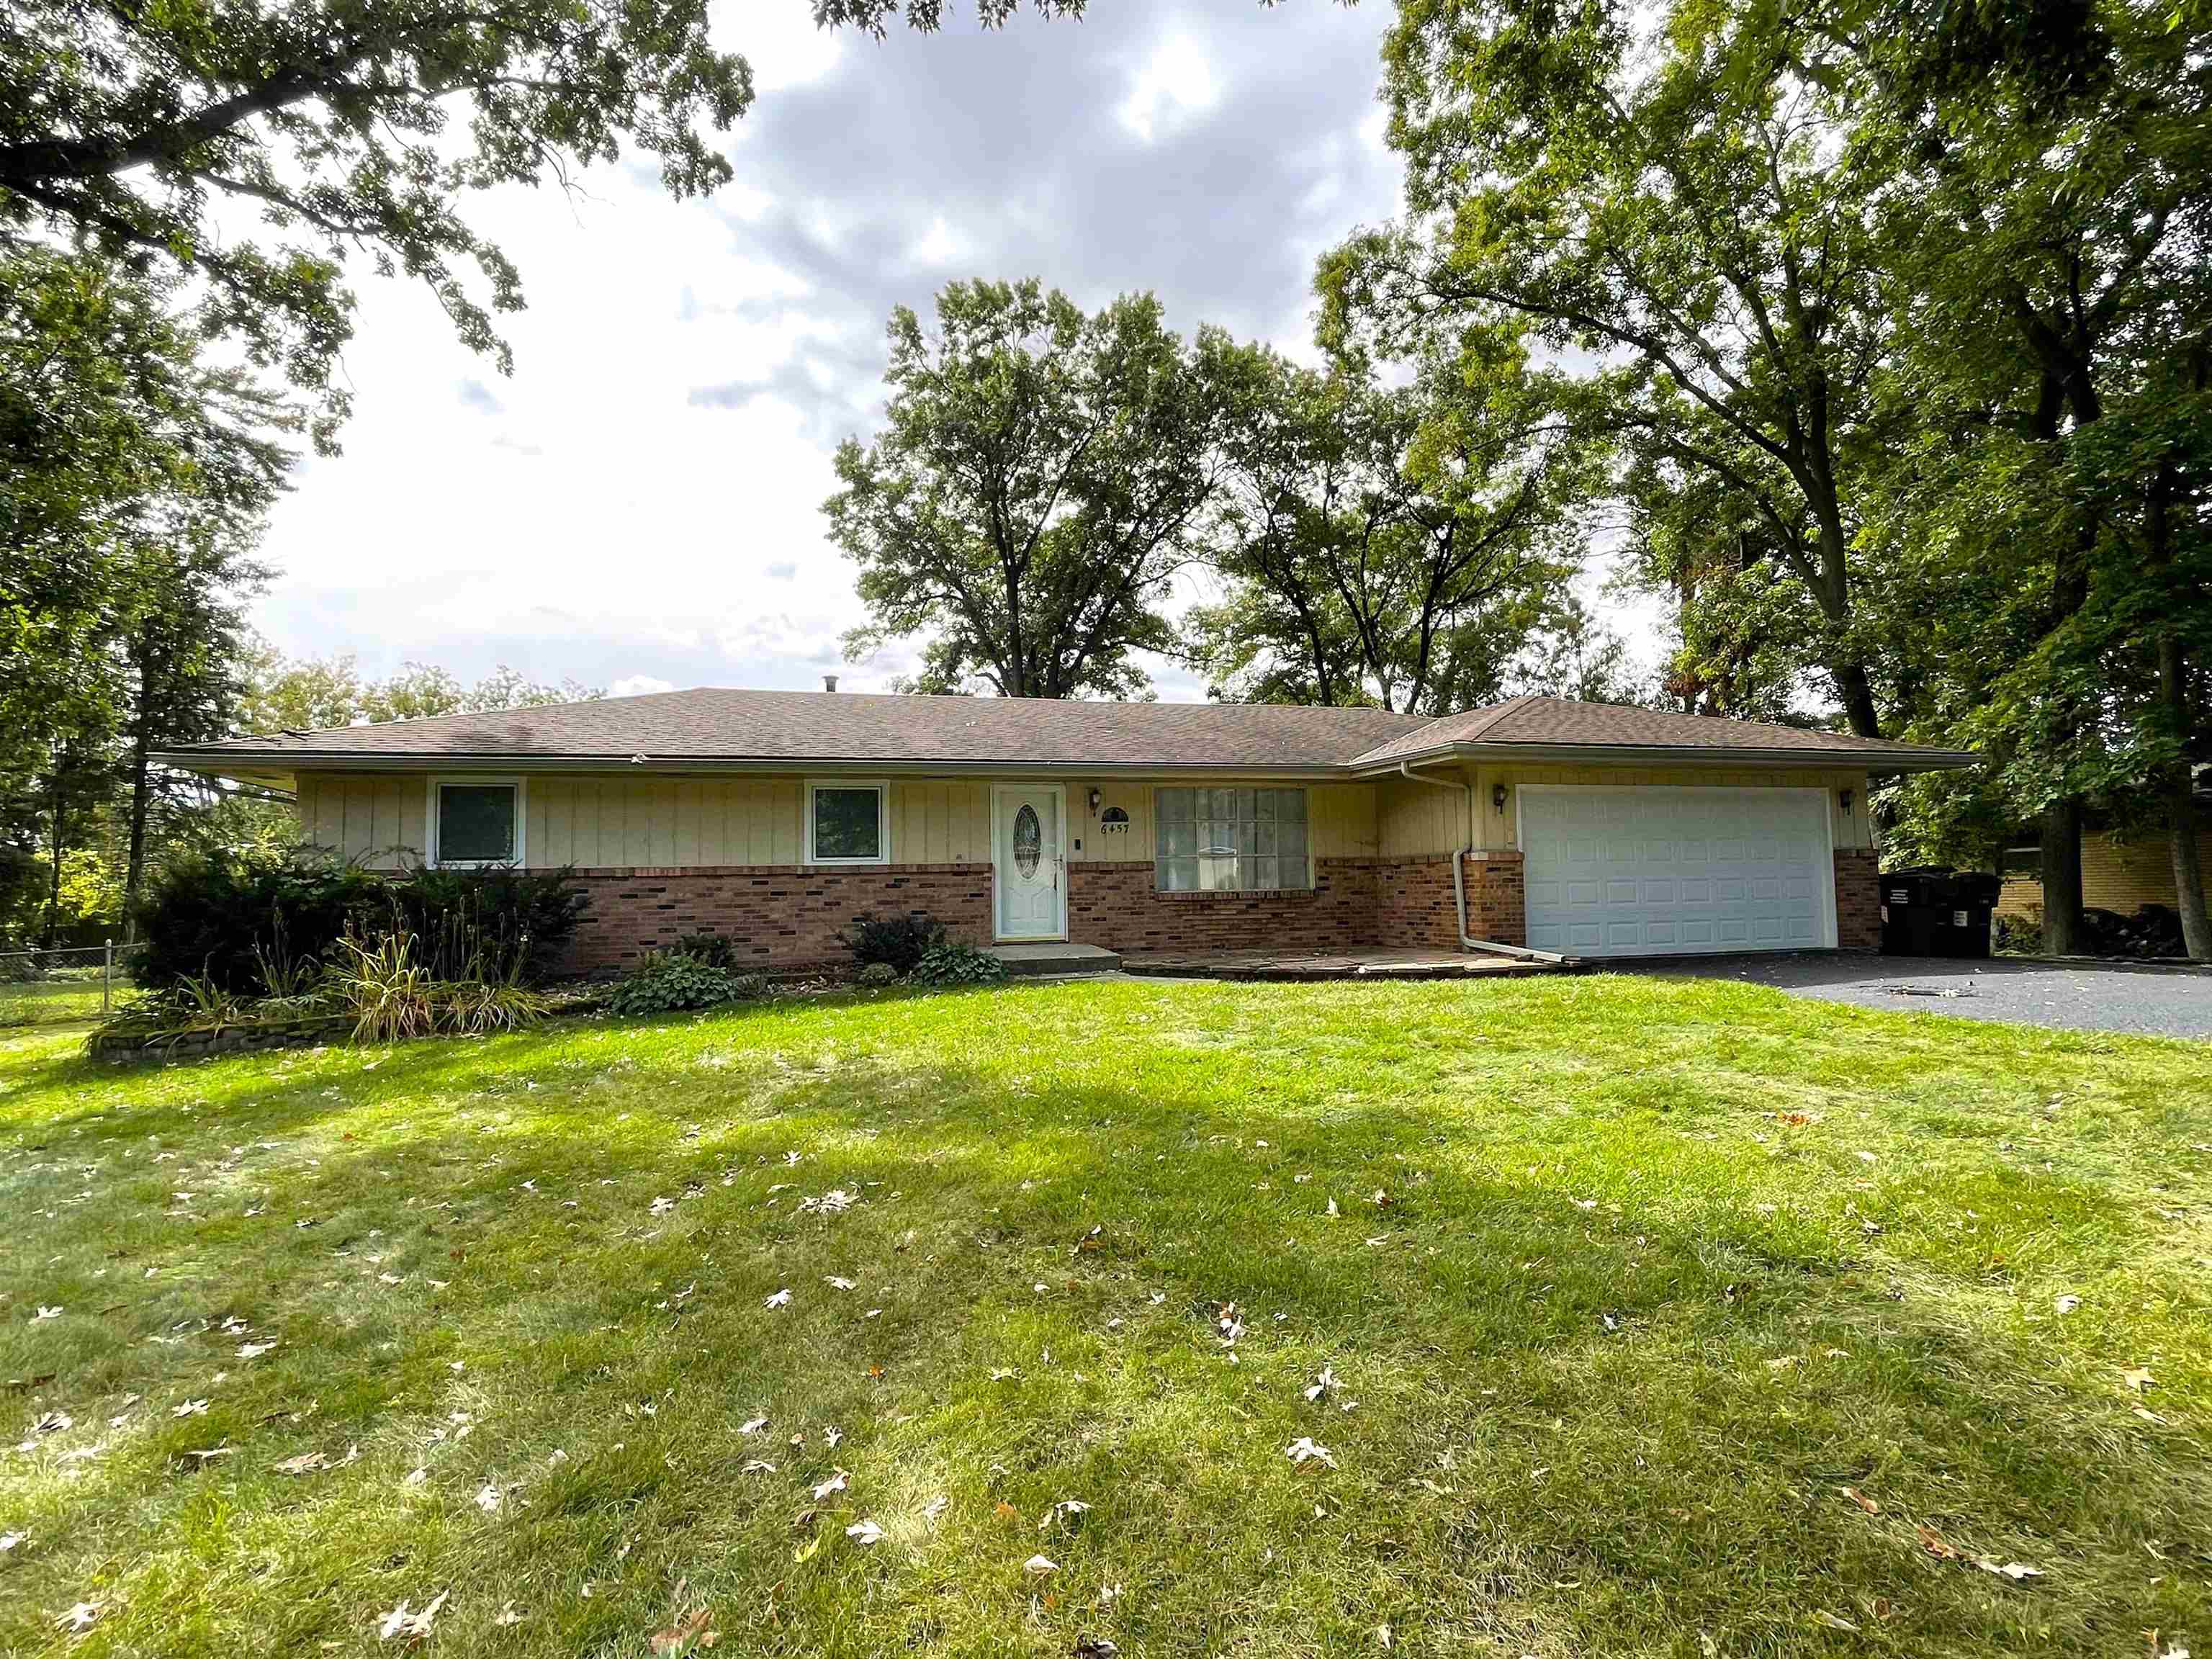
{"x":1306,"y":789}
{"x":883,"y":788}
{"x":438,"y":782}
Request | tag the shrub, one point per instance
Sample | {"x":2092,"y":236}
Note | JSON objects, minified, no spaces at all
{"x":497,"y":924}
{"x":670,"y":982}
{"x":953,"y":963}
{"x":256,"y":924}
{"x":876,"y":973}
{"x":392,"y":995}
{"x":712,"y":949}
{"x":900,"y":941}
{"x":216,"y":917}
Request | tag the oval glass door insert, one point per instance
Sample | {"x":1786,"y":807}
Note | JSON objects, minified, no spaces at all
{"x":1029,"y":842}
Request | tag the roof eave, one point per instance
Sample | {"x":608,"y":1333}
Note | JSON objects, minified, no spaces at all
{"x":1884,"y":761}
{"x":241,"y":762}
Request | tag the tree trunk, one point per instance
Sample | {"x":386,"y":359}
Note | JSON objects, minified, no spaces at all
{"x":2062,"y":876}
{"x":2181,"y":805}
{"x":54,"y":876}
{"x":1858,"y":690}
{"x":142,"y":790}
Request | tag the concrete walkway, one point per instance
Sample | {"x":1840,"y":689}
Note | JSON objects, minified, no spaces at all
{"x":1359,"y":963}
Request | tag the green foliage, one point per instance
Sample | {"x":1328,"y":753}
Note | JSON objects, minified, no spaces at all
{"x":669,"y":981}
{"x":255,"y":925}
{"x":1399,"y":535}
{"x":877,"y":975}
{"x":509,"y":922}
{"x":899,"y":942}
{"x":215,"y":917}
{"x":391,"y":995}
{"x":166,"y":135}
{"x":957,"y":963}
{"x":133,"y":473}
{"x":195,"y":1003}
{"x":320,"y":694}
{"x":1041,"y":475}
{"x":715,"y":950}
{"x":1665,"y":197}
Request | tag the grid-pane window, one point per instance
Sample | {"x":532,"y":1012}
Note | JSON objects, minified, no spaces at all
{"x":1229,"y":840}
{"x":849,"y":824}
{"x":476,"y":823}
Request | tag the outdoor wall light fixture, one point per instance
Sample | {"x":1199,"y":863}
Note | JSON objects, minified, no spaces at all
{"x":1094,"y":798}
{"x":1843,"y":799}
{"x":1498,"y":797}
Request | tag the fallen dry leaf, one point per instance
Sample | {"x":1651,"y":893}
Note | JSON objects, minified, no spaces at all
{"x":836,"y":1483}
{"x":2012,"y":1570}
{"x":682,"y":1634}
{"x":864,"y":1532}
{"x":81,"y":1617}
{"x":1935,"y":1544}
{"x":1305,"y":1450}
{"x":1861,"y":1499}
{"x":401,"y":1625}
{"x":2137,"y":1378}
{"x":779,"y":1299}
{"x":1038,"y":1566}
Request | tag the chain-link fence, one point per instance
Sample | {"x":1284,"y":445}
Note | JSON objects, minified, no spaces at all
{"x":55,"y":987}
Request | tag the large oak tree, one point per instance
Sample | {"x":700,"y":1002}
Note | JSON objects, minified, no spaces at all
{"x":1041,"y":476}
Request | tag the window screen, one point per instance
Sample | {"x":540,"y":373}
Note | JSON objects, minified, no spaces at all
{"x":476,"y":823}
{"x":848,"y":825}
{"x":1228,"y":841}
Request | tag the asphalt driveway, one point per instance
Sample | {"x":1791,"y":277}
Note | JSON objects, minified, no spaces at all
{"x":2102,"y":997}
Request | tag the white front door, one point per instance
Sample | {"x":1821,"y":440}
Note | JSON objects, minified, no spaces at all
{"x":1026,"y":863}
{"x":1651,"y":870}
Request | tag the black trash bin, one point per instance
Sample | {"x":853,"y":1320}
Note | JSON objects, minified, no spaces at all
{"x":1915,"y":911}
{"x":1973,"y":903}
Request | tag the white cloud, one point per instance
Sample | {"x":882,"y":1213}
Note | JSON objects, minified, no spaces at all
{"x":640,"y":503}
{"x":943,"y":245}
{"x":779,"y":39}
{"x":1174,"y":83}
{"x":638,"y":686}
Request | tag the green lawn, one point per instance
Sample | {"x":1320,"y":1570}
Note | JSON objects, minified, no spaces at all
{"x":51,"y":1002}
{"x":1629,"y":1280}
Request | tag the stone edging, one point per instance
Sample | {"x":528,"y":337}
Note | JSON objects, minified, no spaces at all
{"x":228,"y":1039}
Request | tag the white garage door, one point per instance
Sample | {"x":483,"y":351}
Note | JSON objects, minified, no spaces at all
{"x":1658,"y":871}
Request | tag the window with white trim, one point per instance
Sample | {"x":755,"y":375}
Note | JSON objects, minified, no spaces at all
{"x":475,"y":822}
{"x":845,"y":824}
{"x":1229,"y":840}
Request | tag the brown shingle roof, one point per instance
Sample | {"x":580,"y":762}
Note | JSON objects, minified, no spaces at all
{"x":1562,"y":723}
{"x":798,"y":728}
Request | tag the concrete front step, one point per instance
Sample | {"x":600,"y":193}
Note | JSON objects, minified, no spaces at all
{"x":1055,"y":957}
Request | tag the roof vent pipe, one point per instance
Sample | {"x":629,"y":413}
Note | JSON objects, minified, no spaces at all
{"x":828,"y":682}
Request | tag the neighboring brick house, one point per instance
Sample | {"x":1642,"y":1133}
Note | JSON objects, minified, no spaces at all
{"x":775,"y":817}
{"x":2119,"y":873}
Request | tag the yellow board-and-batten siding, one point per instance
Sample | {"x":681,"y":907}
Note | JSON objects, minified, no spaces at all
{"x":2121,"y":876}
{"x":595,"y":820}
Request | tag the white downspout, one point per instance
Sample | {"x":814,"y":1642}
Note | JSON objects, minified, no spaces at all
{"x":1459,"y":874}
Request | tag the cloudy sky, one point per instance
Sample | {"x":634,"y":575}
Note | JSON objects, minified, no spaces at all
{"x":639,"y":506}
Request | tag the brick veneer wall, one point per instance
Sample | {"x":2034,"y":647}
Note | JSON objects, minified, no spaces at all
{"x":778,"y":916}
{"x":1413,"y":904}
{"x":1415,"y":907}
{"x":1115,"y":905}
{"x":1858,"y":900}
{"x":786,"y":917}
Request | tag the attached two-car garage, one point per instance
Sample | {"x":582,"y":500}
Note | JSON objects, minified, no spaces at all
{"x":1657,"y":870}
